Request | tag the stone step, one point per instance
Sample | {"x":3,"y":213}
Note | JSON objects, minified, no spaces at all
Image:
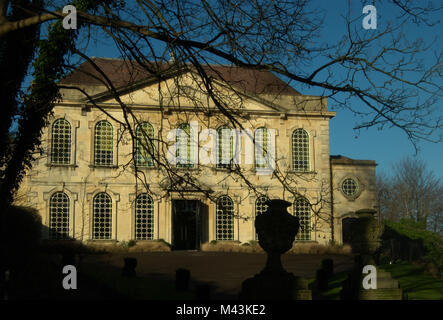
{"x":381,"y":274}
{"x":387,"y":284}
{"x":380,"y":294}
{"x":302,"y":295}
{"x":301,"y":283}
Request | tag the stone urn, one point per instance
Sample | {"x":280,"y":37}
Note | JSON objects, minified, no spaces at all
{"x":276,"y":230}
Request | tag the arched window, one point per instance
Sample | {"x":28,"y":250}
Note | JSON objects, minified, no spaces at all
{"x":61,"y":142}
{"x":260,"y":208}
{"x":102,"y":217}
{"x":185,"y":147}
{"x":300,"y":150}
{"x":144,"y":145}
{"x":59,"y":216}
{"x":302,"y":210}
{"x":144,"y":217}
{"x":103,"y":144}
{"x":262,"y":147}
{"x":224,"y":221}
{"x":225,"y":147}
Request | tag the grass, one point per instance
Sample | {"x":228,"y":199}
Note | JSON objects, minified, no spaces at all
{"x":413,"y":281}
{"x":415,"y":284}
{"x":334,"y":287}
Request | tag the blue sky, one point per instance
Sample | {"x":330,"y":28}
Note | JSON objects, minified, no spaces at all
{"x":386,"y":146}
{"x":389,"y":145}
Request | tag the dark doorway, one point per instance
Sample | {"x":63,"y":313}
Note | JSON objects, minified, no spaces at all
{"x":347,"y":230}
{"x":186,"y":224}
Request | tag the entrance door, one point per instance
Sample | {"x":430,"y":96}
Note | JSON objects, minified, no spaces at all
{"x":347,"y":230}
{"x":186,"y":224}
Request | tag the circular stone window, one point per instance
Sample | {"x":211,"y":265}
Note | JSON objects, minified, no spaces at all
{"x":350,"y":187}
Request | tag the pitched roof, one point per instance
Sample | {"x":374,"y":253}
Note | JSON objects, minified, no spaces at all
{"x":123,"y":73}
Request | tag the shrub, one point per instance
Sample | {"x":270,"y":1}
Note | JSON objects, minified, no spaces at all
{"x":20,"y":238}
{"x":104,"y":246}
{"x":317,"y":248}
{"x":229,"y":246}
{"x":407,"y":233}
{"x":22,"y":235}
{"x":297,"y":248}
{"x":150,"y":246}
{"x":24,"y":227}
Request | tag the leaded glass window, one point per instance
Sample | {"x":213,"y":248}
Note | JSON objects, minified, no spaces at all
{"x":300,"y":150}
{"x":349,"y":187}
{"x":184,"y":142}
{"x":102,"y":217}
{"x":302,"y":210}
{"x":103,"y":144}
{"x":144,"y":217}
{"x":144,"y":145}
{"x":260,"y":208}
{"x":225,"y":147}
{"x":262,"y":147}
{"x":59,"y":216}
{"x":61,"y":142}
{"x":224,"y":222}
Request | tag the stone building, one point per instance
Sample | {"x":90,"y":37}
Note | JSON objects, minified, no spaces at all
{"x":95,"y":181}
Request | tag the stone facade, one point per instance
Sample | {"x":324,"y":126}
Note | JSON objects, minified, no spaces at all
{"x":165,"y":107}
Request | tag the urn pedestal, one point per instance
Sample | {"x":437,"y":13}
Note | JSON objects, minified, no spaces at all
{"x":366,"y":235}
{"x":387,"y":288}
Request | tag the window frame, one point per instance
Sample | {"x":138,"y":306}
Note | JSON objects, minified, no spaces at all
{"x":52,"y":133}
{"x":301,"y":229}
{"x":220,"y":148}
{"x":190,"y":147}
{"x":309,"y":147}
{"x":255,"y":211}
{"x":46,"y":218}
{"x":94,"y":144}
{"x":112,"y":224}
{"x":137,"y":142}
{"x":231,"y":219}
{"x":74,"y":126}
{"x":360,"y":187}
{"x":266,"y":165}
{"x":67,"y":234}
{"x":153,"y":223}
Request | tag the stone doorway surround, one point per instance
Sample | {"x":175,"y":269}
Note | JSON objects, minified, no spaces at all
{"x":189,"y":221}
